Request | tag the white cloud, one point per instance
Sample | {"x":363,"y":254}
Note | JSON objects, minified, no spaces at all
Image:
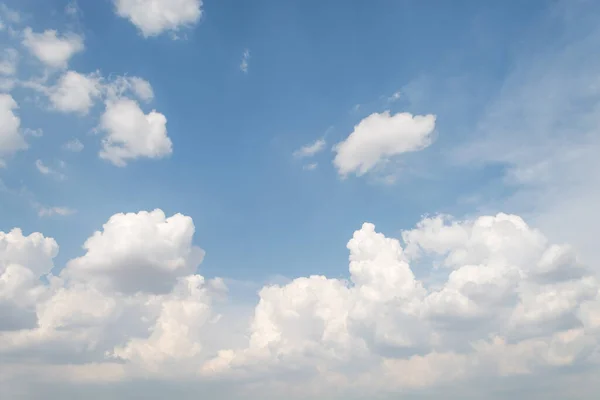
{"x":52,"y":49}
{"x":131,"y":134}
{"x":8,"y":62}
{"x":245,"y":59}
{"x":141,"y":88}
{"x":75,"y":92}
{"x":155,"y":251}
{"x":381,"y":136}
{"x":153,"y":17}
{"x":73,"y":145}
{"x":513,"y":303}
{"x":310,"y":149}
{"x":11,"y":139}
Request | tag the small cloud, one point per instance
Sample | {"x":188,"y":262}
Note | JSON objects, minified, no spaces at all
{"x":51,"y":48}
{"x":245,"y":58}
{"x":33,"y":132}
{"x":8,"y":62}
{"x":310,"y":149}
{"x":310,"y":167}
{"x":72,"y":9}
{"x":73,"y":145}
{"x":394,"y":97}
{"x":52,"y":211}
{"x":356,"y":107}
{"x":46,"y":170}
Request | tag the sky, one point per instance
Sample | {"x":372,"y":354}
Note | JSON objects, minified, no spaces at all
{"x":312,"y":199}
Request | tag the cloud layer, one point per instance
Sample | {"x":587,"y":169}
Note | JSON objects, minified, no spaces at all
{"x":495,"y":299}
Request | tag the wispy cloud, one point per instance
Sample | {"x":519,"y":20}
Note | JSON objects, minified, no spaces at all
{"x":46,"y":170}
{"x":245,"y":59}
{"x":53,"y":211}
{"x":310,"y":150}
{"x":310,"y":167}
{"x":73,"y":145}
{"x":394,"y":97}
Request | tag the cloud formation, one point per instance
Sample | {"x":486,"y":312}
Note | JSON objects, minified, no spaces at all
{"x":154,"y":17}
{"x":133,"y":305}
{"x":51,"y":48}
{"x":381,"y":136}
{"x":131,"y":134}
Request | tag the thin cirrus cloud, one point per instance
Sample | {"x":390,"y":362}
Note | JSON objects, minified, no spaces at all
{"x":310,"y":149}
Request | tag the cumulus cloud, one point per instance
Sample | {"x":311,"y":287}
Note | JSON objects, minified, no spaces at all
{"x":155,"y":251}
{"x":131,"y":134}
{"x":512,"y":302}
{"x":381,"y":136}
{"x":51,"y":48}
{"x":75,"y":92}
{"x":11,"y":138}
{"x":153,"y":17}
{"x":134,"y":305}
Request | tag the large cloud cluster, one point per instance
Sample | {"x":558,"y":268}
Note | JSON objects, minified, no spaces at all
{"x":449,"y":300}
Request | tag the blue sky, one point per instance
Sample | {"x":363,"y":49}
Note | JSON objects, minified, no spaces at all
{"x":499,"y":101}
{"x":234,"y":133}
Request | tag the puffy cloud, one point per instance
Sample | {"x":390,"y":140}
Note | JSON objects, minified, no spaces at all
{"x":381,"y":136}
{"x":131,"y":134}
{"x":310,"y":149}
{"x":153,"y":17}
{"x":23,"y":260}
{"x":138,"y":252}
{"x":75,"y":92}
{"x":51,"y":48}
{"x":133,"y":305}
{"x":504,"y":305}
{"x":11,"y":139}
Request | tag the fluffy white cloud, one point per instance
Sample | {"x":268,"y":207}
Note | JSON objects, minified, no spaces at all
{"x":131,"y":134}
{"x":52,"y":49}
{"x":134,"y":306}
{"x":75,"y":92}
{"x":512,"y":303}
{"x":139,"y":252}
{"x":23,"y":260}
{"x":381,"y":136}
{"x":11,"y":138}
{"x":153,"y":17}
